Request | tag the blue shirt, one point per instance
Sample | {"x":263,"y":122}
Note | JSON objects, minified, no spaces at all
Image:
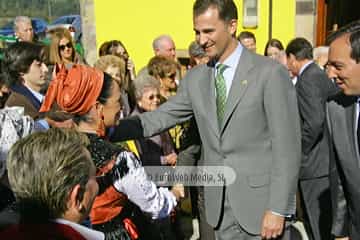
{"x":231,"y":62}
{"x":40,"y":122}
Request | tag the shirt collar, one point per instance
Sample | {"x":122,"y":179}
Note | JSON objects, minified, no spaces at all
{"x":305,"y":66}
{"x":87,"y":233}
{"x":233,"y":59}
{"x":37,"y":95}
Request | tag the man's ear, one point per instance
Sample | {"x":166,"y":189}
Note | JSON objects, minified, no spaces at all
{"x":74,"y":198}
{"x":232,"y":26}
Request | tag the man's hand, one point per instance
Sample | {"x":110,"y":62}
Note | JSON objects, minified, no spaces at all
{"x":178,"y":191}
{"x":272,"y":225}
{"x":171,"y":159}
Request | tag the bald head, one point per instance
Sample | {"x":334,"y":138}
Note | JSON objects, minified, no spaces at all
{"x":164,"y":46}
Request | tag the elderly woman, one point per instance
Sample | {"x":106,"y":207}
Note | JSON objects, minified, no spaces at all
{"x":157,"y":150}
{"x":164,"y":70}
{"x":53,"y":178}
{"x":62,"y":48}
{"x":94,"y":100}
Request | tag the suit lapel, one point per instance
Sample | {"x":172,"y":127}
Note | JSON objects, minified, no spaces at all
{"x":209,"y":98}
{"x":351,"y":119}
{"x":238,"y":86}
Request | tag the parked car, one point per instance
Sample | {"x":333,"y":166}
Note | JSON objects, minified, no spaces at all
{"x":70,"y":22}
{"x":7,"y":29}
{"x":39,"y":26}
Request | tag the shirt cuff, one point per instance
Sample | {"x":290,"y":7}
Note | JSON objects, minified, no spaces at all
{"x":282,"y":215}
{"x":41,"y":124}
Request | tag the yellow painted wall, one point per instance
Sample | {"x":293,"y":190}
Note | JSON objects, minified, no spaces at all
{"x":137,"y":22}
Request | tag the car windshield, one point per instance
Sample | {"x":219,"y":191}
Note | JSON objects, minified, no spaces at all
{"x":65,"y":20}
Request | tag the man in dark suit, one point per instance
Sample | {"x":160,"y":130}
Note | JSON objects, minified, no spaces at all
{"x":343,"y":119}
{"x":246,"y":110}
{"x":313,"y":88}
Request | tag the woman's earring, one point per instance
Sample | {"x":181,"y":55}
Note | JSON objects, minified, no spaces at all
{"x":100,"y":131}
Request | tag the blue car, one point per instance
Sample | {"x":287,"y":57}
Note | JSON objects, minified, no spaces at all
{"x":70,"y":22}
{"x":39,"y":26}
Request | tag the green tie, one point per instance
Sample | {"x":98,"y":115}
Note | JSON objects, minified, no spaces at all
{"x":220,"y":86}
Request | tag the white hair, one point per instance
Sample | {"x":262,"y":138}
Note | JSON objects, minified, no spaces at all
{"x":320,"y":51}
{"x":157,"y":41}
{"x":20,"y":19}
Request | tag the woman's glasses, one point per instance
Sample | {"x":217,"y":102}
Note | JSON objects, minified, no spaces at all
{"x":152,"y":96}
{"x":62,"y":47}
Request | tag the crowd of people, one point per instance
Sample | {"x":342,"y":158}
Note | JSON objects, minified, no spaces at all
{"x":76,"y":140}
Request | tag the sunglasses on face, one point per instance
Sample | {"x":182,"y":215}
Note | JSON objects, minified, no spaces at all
{"x":62,"y":47}
{"x":172,"y":75}
{"x":152,"y":96}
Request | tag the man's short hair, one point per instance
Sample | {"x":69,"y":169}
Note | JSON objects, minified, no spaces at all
{"x":300,"y":48}
{"x":195,"y":50}
{"x":44,"y":167}
{"x":353,"y":29}
{"x":226,"y":8}
{"x":20,"y":19}
{"x":246,"y":34}
{"x":18,"y":58}
{"x":158,"y":40}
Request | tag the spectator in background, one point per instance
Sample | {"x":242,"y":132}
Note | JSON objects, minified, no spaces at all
{"x":164,"y":70}
{"x":321,"y":55}
{"x":248,"y":40}
{"x":53,"y":178}
{"x":164,"y":46}
{"x":25,"y":72}
{"x":23,"y":29}
{"x":273,"y":48}
{"x":115,"y":67}
{"x":313,"y":88}
{"x":197,"y":55}
{"x":4,"y":92}
{"x":159,"y":149}
{"x":117,"y":48}
{"x":62,"y":48}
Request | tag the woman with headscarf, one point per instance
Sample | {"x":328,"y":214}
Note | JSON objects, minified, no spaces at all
{"x":94,"y":100}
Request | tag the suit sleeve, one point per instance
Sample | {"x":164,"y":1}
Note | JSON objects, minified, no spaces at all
{"x":283,"y":121}
{"x":311,"y":103}
{"x":176,"y":110}
{"x":340,"y":222}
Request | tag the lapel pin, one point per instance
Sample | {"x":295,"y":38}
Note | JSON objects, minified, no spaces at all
{"x":243,"y":82}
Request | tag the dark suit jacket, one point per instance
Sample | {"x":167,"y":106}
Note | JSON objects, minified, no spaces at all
{"x":153,"y":148}
{"x":21,"y":96}
{"x":345,"y":166}
{"x":313,"y":88}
